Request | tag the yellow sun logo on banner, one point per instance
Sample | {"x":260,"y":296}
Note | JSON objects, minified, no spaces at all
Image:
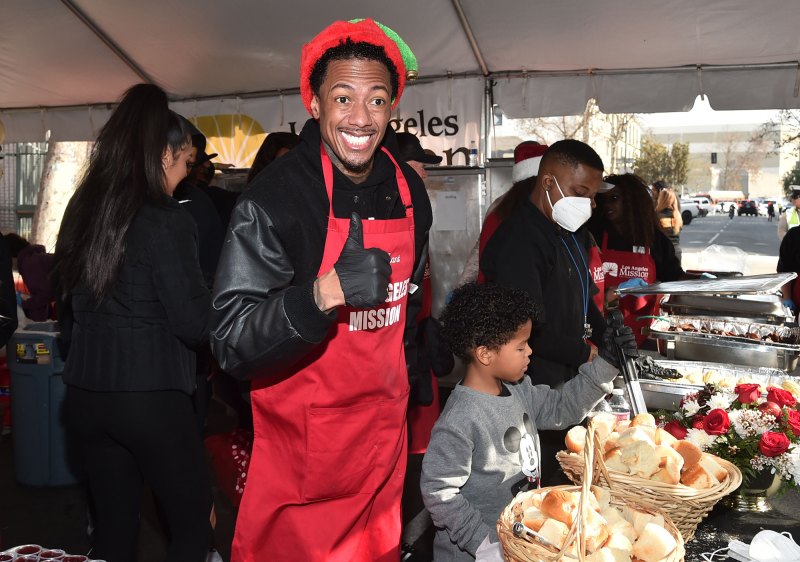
{"x":235,"y":138}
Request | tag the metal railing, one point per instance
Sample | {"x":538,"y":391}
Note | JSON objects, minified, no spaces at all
{"x":22,"y":166}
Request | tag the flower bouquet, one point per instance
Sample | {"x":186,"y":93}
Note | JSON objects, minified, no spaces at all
{"x":755,"y":433}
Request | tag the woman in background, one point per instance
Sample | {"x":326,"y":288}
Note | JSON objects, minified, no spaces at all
{"x":632,"y":246}
{"x":126,"y":263}
{"x":274,"y":146}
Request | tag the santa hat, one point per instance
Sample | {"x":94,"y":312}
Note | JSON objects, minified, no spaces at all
{"x":358,"y":31}
{"x":527,"y":157}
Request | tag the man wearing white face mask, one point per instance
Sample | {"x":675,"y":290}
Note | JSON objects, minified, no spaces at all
{"x":542,"y":248}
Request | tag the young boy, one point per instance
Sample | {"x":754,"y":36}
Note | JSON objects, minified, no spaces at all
{"x":484,"y":448}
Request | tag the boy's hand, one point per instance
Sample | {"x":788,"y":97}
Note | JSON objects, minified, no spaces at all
{"x":617,"y":334}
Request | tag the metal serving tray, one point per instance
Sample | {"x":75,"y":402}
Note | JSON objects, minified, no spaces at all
{"x":765,"y":310}
{"x":714,"y":348}
{"x":748,"y":285}
{"x":666,"y":395}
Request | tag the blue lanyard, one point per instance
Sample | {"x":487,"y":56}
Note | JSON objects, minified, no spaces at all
{"x":584,"y":286}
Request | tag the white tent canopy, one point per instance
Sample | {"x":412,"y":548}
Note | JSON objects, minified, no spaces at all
{"x":542,"y":58}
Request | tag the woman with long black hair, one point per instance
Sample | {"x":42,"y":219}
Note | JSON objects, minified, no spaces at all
{"x":126,"y":263}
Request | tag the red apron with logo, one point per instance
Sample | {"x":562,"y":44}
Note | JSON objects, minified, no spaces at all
{"x":329,"y":454}
{"x":596,"y":270}
{"x":620,"y":266}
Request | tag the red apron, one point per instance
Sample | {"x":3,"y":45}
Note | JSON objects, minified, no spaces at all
{"x":620,"y":266}
{"x":329,"y":454}
{"x":596,"y":271}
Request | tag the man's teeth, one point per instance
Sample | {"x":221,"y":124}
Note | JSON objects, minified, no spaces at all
{"x":361,"y":141}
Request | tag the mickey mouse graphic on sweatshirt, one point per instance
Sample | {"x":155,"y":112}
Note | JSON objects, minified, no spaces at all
{"x":485,"y":448}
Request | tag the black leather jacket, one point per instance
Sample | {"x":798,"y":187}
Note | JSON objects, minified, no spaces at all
{"x":264,"y":317}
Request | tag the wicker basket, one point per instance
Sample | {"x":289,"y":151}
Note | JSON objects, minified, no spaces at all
{"x":686,"y":506}
{"x":519,"y":549}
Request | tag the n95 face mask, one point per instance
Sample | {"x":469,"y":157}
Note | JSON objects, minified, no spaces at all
{"x":570,"y":212}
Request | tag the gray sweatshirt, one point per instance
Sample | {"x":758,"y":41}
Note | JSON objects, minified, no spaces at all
{"x":479,"y":454}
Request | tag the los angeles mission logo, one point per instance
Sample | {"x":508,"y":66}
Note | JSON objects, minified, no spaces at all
{"x":375,"y":318}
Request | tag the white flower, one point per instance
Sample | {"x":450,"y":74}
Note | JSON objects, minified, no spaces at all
{"x":749,"y":423}
{"x":700,"y":438}
{"x":793,"y":463}
{"x":721,"y":400}
{"x":691,"y":407}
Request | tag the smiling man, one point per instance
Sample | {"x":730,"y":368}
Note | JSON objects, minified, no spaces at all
{"x":542,"y":248}
{"x":314,"y":300}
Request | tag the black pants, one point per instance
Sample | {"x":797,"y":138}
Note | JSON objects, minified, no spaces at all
{"x":127,"y":438}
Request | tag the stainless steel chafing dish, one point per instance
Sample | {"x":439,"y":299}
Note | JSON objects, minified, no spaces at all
{"x":735,"y":343}
{"x":667,"y":395}
{"x":735,"y":323}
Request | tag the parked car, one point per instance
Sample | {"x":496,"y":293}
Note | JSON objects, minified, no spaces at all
{"x":704,"y":203}
{"x":748,"y":207}
{"x":689,"y":210}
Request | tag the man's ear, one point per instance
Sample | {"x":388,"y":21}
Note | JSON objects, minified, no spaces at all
{"x":484,"y":355}
{"x":315,"y":107}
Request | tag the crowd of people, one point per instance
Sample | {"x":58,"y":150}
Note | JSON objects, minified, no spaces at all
{"x":310,"y":292}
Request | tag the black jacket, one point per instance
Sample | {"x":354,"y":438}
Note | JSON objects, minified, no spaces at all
{"x":528,"y":252}
{"x":264,"y":317}
{"x":141,"y":336}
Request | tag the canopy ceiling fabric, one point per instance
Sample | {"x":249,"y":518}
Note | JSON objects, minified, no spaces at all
{"x":547,"y":58}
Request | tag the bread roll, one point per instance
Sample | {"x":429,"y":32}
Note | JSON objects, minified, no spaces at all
{"x":533,"y":518}
{"x":664,"y":437}
{"x":654,"y":544}
{"x":554,"y":531}
{"x":576,"y":439}
{"x":603,"y":425}
{"x":596,"y":531}
{"x":611,"y":442}
{"x":639,"y":519}
{"x":602,"y":496}
{"x":671,"y":463}
{"x":643,"y":419}
{"x":709,"y":462}
{"x":633,"y":434}
{"x":613,"y":460}
{"x":690,"y":452}
{"x":560,"y":505}
{"x":620,"y":542}
{"x":641,"y":458}
{"x":698,"y":477}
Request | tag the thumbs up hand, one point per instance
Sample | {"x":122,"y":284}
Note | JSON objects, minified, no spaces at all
{"x":363,"y":273}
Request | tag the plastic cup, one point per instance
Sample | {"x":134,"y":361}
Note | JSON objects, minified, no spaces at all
{"x":27,"y":549}
{"x":6,"y":557}
{"x":75,"y":558}
{"x":28,"y":558}
{"x":51,"y":554}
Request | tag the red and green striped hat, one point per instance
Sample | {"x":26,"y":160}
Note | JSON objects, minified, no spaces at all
{"x":358,"y":30}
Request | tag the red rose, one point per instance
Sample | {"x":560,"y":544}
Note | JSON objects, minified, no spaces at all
{"x":748,"y":393}
{"x":697,"y":421}
{"x":794,"y":421}
{"x":773,"y":444}
{"x":780,"y":397}
{"x":677,"y":430}
{"x":716,"y":422}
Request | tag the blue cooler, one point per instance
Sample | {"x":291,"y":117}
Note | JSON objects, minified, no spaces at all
{"x":37,"y":399}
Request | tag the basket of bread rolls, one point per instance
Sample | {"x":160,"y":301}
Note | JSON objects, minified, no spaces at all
{"x":639,"y":461}
{"x":585,"y":523}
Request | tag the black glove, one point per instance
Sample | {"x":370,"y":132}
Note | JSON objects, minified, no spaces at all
{"x":617,"y":334}
{"x":363,"y":274}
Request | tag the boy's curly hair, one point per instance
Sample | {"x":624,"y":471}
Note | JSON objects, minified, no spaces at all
{"x":487,"y":315}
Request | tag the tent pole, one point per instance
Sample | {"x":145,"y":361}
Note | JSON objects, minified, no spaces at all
{"x":122,"y":55}
{"x":476,"y":50}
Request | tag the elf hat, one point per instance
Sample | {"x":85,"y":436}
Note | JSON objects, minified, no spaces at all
{"x":527,"y":157}
{"x":361,"y":30}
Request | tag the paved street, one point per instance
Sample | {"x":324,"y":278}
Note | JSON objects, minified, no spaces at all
{"x":754,"y":236}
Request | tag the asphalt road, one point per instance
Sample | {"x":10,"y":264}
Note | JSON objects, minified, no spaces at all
{"x":754,"y":235}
